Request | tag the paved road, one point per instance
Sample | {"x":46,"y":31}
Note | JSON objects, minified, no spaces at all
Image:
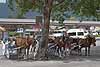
{"x":65,"y":63}
{"x":71,"y":61}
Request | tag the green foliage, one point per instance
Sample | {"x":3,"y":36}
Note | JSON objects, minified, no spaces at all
{"x":24,"y":6}
{"x":58,"y":11}
{"x":87,"y":8}
{"x":80,"y":7}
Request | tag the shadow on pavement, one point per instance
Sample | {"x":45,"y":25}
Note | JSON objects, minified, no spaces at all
{"x":82,"y":58}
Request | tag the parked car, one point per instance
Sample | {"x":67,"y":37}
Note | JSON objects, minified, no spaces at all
{"x":56,"y":34}
{"x":77,"y":33}
{"x":94,"y":33}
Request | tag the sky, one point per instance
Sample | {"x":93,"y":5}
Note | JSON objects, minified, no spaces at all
{"x":2,"y":1}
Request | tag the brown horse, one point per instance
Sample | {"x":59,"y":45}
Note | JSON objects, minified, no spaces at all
{"x":86,"y":43}
{"x":59,"y":42}
{"x":24,"y":43}
{"x":71,"y":44}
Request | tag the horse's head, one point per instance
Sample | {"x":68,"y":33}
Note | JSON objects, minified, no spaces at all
{"x":51,"y":40}
{"x":91,"y":40}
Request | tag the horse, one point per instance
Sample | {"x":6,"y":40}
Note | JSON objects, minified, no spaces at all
{"x":71,"y":44}
{"x":86,"y":43}
{"x":65,"y":45}
{"x":24,"y":44}
{"x":59,"y":43}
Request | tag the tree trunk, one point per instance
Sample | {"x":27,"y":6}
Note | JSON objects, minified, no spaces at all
{"x":45,"y":29}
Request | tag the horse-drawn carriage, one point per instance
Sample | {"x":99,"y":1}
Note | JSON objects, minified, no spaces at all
{"x":61,"y":46}
{"x":68,"y":45}
{"x":17,"y":47}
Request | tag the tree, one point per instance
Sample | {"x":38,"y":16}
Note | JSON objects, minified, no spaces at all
{"x":45,"y":7}
{"x":54,"y":9}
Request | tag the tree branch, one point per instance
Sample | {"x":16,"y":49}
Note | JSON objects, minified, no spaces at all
{"x":59,"y":3}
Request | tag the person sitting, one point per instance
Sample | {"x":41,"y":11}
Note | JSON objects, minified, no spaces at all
{"x":11,"y":43}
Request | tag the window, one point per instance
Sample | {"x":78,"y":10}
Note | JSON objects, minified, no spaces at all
{"x":85,"y":31}
{"x":72,"y":34}
{"x":55,"y":32}
{"x":80,"y":33}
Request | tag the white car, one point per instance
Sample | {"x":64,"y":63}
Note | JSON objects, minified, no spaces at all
{"x":95,"y":33}
{"x":56,"y":34}
{"x":77,"y":33}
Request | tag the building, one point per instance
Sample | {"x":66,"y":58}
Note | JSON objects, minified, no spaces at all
{"x":3,"y":9}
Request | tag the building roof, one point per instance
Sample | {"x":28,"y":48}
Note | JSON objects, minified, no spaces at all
{"x":33,"y":21}
{"x":20,"y":21}
{"x":91,"y":23}
{"x":17,"y":21}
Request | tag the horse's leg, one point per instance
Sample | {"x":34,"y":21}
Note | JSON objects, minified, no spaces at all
{"x":36,"y":49}
{"x":68,"y":51}
{"x":88,"y":51}
{"x":94,"y":44}
{"x":18,"y":53}
{"x":23,"y":52}
{"x":57,"y":49}
{"x":30,"y":49}
{"x":60,"y":51}
{"x":79,"y":50}
{"x":64,"y":51}
{"x":85,"y":51}
{"x":56,"y":53}
{"x":28,"y":52}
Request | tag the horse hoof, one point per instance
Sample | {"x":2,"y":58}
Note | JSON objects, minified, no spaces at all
{"x":80,"y":54}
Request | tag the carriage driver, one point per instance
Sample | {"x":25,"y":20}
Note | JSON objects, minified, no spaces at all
{"x":11,"y":43}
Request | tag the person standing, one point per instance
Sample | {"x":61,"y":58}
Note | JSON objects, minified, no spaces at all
{"x":2,"y":46}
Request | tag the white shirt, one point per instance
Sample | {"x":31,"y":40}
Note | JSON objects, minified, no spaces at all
{"x":2,"y":45}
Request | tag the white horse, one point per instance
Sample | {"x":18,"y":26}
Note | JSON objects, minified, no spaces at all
{"x":34,"y":49}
